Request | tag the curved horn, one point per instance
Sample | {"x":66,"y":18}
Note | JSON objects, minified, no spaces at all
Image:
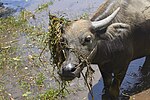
{"x":106,"y":21}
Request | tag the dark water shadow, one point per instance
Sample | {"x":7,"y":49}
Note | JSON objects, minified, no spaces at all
{"x":139,"y":82}
{"x":142,"y":85}
{"x":134,"y":82}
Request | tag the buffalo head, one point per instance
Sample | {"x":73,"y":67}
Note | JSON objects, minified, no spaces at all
{"x":80,"y":38}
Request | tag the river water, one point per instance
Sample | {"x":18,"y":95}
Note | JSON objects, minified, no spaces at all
{"x":71,"y":9}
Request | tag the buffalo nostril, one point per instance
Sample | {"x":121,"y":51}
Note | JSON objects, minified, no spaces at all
{"x":73,"y":69}
{"x":69,"y":68}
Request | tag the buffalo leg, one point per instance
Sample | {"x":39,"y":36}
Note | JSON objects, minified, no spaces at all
{"x":115,"y":86}
{"x":146,"y":66}
{"x":107,"y":78}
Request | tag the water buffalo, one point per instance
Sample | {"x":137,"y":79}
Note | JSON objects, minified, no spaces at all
{"x":116,"y":34}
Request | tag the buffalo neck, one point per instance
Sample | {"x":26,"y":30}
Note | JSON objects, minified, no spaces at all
{"x":108,"y":50}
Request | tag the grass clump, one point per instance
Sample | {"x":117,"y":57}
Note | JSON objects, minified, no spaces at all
{"x":50,"y":94}
{"x":40,"y":79}
{"x":56,"y":30}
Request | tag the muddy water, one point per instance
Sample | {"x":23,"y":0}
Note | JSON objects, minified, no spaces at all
{"x":16,"y":82}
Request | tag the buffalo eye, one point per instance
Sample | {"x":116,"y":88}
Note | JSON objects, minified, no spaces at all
{"x":88,"y":39}
{"x":63,"y":40}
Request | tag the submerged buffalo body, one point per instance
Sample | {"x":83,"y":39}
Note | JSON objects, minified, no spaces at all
{"x":118,"y":33}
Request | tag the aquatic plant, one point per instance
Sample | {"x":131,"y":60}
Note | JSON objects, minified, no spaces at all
{"x":56,"y":29}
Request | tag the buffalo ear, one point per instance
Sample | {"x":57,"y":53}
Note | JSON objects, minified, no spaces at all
{"x":117,"y":29}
